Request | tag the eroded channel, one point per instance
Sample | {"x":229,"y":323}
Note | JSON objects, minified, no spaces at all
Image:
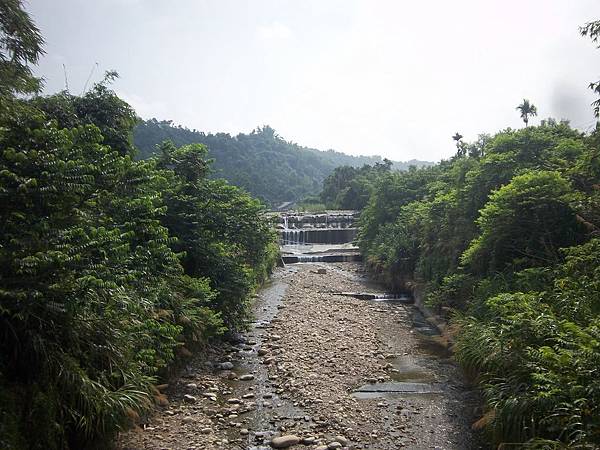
{"x":328,"y":367}
{"x":424,"y":384}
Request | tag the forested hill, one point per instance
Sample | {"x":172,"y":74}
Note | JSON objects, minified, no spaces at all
{"x":261,"y":162}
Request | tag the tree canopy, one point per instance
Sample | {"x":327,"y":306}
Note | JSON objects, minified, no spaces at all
{"x":504,"y":240}
{"x":261,"y":162}
{"x":20,"y":45}
{"x":111,"y":268}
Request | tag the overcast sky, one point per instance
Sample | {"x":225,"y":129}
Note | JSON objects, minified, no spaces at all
{"x":391,"y":77}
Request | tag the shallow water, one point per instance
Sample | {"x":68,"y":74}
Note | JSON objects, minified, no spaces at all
{"x":271,"y":409}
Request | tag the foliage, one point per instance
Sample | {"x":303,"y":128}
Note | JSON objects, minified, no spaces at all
{"x":349,"y":187}
{"x":538,"y":357}
{"x":505,"y":233}
{"x":20,"y":45}
{"x":261,"y":162}
{"x":592,"y":30}
{"x":108,"y":266}
{"x":527,"y":109}
{"x":524,"y":224}
{"x":221,"y":231}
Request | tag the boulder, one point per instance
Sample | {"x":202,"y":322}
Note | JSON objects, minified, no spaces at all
{"x":285,"y":441}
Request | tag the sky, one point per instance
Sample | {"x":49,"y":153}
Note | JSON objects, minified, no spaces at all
{"x":395,"y":78}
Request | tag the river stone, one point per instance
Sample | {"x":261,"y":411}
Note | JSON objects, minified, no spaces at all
{"x":284,"y":441}
{"x":333,"y":445}
{"x":189,"y":398}
{"x":247,"y":377}
{"x":342,"y":440}
{"x":226,"y":365}
{"x":188,"y":419}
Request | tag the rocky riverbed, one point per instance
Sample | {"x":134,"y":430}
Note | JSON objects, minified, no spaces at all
{"x":318,"y":370}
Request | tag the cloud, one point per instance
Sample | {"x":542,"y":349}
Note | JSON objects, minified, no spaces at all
{"x":274,"y":30}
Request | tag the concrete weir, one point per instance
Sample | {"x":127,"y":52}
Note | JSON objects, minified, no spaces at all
{"x":294,"y":259}
{"x":318,"y":236}
{"x":314,"y":238}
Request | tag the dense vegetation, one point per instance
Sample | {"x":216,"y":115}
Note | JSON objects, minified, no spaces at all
{"x":110,"y":268}
{"x":351,"y":187}
{"x":261,"y":162}
{"x":505,"y":238}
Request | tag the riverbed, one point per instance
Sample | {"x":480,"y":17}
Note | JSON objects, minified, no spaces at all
{"x":323,"y":367}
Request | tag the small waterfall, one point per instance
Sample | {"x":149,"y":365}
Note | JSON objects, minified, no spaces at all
{"x":303,"y":229}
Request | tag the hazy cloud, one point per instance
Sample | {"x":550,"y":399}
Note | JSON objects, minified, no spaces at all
{"x":360,"y":76}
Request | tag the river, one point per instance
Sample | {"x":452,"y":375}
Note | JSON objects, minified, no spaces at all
{"x":324,"y":368}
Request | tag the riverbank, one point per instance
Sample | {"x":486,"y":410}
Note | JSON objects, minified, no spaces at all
{"x":298,"y":371}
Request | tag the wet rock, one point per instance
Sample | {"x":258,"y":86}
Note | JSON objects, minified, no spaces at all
{"x":284,"y":441}
{"x":189,"y":398}
{"x":206,"y":430}
{"x":226,"y":365}
{"x":188,"y":419}
{"x":247,"y":377}
{"x":333,"y":445}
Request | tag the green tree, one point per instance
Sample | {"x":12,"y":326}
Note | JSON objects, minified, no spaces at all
{"x":524,"y":224}
{"x":526,"y":109}
{"x":460,"y":147}
{"x":221,"y":232}
{"x":592,"y":30}
{"x":20,"y":45}
{"x":95,"y":302}
{"x":81,"y":244}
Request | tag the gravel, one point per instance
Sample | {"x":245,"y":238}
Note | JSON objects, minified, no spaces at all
{"x":305,"y":364}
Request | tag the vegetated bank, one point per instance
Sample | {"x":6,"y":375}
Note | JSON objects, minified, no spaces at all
{"x":504,"y":240}
{"x":110,"y":268}
{"x":504,"y":237}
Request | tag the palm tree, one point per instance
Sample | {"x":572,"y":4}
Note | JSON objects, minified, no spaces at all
{"x":460,"y":146}
{"x":527,"y":109}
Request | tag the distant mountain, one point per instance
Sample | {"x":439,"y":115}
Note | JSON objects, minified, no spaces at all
{"x":261,"y":162}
